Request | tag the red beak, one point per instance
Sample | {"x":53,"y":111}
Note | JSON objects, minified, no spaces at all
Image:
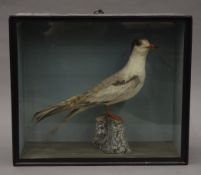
{"x":152,"y":46}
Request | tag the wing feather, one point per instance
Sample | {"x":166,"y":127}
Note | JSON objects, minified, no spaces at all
{"x":109,"y":89}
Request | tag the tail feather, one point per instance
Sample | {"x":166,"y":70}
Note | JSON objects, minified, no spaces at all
{"x":38,"y":116}
{"x":69,"y":104}
{"x":70,"y":115}
{"x":74,"y":105}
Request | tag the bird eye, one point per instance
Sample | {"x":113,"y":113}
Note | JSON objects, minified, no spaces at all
{"x":136,"y":42}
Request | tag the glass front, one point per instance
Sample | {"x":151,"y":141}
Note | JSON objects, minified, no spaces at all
{"x":61,"y":59}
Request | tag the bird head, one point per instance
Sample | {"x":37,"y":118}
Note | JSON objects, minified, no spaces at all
{"x":142,"y":45}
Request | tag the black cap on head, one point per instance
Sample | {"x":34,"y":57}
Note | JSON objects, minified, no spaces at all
{"x":135,"y":42}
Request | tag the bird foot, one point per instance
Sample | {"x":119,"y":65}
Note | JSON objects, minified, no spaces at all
{"x":114,"y":117}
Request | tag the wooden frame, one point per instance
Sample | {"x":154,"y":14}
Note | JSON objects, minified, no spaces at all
{"x":183,"y":160}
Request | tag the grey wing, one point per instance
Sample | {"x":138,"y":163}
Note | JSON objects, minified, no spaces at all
{"x":111,"y":88}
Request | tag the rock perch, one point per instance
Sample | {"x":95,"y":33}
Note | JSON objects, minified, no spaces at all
{"x":110,"y":136}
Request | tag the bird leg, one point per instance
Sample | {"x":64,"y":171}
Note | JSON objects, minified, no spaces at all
{"x":110,"y":115}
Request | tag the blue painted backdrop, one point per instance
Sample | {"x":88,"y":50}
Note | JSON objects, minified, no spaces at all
{"x":58,"y":60}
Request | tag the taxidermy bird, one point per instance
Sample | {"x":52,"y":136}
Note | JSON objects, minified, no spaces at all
{"x":119,"y":87}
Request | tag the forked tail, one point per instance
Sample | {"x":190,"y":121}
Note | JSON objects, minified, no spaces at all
{"x":73,"y":105}
{"x":38,"y":116}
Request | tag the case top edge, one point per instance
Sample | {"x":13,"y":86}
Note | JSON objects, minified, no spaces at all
{"x":106,"y":14}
